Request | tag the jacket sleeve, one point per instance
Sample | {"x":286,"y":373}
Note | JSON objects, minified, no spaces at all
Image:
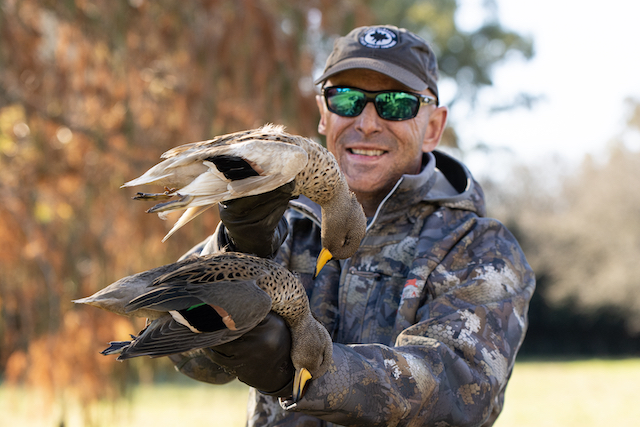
{"x":450,"y":365}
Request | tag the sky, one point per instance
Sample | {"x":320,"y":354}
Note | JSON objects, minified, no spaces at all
{"x":586,"y":63}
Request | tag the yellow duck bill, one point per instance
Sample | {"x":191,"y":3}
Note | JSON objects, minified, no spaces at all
{"x":323,"y":258}
{"x":300,"y":381}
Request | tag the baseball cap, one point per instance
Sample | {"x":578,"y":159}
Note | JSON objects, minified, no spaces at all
{"x":389,"y":50}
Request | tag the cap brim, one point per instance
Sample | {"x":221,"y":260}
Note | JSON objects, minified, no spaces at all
{"x":408,"y":79}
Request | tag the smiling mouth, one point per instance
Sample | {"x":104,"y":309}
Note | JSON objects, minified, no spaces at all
{"x":371,"y":153}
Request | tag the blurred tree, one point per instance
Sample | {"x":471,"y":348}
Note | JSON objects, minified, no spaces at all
{"x":583,"y":238}
{"x":465,"y":56}
{"x":92,"y":91}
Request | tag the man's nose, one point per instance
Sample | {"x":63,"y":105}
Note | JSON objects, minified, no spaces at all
{"x":368,"y":122}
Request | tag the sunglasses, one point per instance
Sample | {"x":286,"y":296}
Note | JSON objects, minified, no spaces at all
{"x":390,"y":104}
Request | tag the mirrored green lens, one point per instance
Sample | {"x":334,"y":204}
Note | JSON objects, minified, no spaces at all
{"x":390,"y":105}
{"x":346,"y":102}
{"x":396,"y":105}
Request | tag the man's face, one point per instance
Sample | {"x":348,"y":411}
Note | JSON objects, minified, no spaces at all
{"x":374,"y":153}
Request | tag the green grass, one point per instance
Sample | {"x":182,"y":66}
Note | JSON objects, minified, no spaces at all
{"x":550,"y":393}
{"x":158,"y":405}
{"x":585,"y":393}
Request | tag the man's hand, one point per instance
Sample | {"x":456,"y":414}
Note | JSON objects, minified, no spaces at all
{"x":254,"y":224}
{"x":260,"y":358}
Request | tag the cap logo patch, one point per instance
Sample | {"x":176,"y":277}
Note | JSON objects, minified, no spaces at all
{"x":379,"y":38}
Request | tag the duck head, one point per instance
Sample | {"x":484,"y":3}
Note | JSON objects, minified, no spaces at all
{"x":311,"y":353}
{"x":343,"y":228}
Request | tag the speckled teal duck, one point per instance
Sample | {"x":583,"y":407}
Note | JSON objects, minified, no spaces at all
{"x":205,"y":301}
{"x":199,"y":175}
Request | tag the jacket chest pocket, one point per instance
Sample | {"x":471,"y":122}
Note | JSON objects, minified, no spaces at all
{"x":369,"y":305}
{"x":372,"y":284}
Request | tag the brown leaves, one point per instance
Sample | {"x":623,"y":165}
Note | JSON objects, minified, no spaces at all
{"x":91,"y":93}
{"x":53,"y":362}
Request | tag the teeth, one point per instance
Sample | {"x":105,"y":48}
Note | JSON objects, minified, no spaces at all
{"x":367,"y":152}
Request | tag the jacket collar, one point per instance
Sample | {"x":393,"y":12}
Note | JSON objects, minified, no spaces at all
{"x":443,"y":181}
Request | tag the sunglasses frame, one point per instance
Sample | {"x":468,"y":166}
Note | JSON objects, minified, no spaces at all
{"x":370,"y":96}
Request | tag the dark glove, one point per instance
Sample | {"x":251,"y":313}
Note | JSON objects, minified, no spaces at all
{"x":260,"y":358}
{"x":197,"y":364}
{"x":254,"y":224}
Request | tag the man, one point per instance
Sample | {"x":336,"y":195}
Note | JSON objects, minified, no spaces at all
{"x":428,"y":315}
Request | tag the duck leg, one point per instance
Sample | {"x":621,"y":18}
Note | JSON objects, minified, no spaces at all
{"x":168,"y":193}
{"x":180,"y":202}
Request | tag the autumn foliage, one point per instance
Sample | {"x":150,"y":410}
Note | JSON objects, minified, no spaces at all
{"x":91,"y":93}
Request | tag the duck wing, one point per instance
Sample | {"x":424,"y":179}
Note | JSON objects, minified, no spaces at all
{"x":224,"y":163}
{"x":117,"y":295}
{"x":244,"y":169}
{"x":165,"y":336}
{"x":204,"y":174}
{"x":207,"y":305}
{"x":242,"y":300}
{"x":198,"y":316}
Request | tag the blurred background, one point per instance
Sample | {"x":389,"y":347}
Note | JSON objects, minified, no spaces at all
{"x":545,"y":110}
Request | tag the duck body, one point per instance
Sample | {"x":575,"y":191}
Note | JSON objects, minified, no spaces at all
{"x":199,"y":175}
{"x":205,"y":301}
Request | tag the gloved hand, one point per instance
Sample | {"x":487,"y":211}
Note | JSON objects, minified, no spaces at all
{"x":254,"y":224}
{"x":197,"y":364}
{"x":261,"y":357}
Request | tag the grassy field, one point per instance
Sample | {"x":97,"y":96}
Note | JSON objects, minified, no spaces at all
{"x":573,"y":393}
{"x":159,"y":405}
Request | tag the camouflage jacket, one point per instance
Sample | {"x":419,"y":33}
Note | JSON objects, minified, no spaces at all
{"x":426,"y":317}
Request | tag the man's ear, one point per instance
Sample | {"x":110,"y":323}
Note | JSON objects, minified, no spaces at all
{"x":323,"y":115}
{"x":435,"y":128}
